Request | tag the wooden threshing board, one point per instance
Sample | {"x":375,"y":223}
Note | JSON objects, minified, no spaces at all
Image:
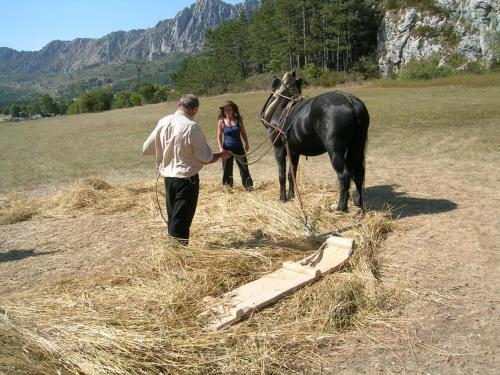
{"x":241,"y":302}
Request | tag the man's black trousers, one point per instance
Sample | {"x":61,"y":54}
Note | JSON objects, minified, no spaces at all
{"x":181,"y":199}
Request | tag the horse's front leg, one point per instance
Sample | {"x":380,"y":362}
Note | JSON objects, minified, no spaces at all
{"x":292,"y":174}
{"x":280,"y":155}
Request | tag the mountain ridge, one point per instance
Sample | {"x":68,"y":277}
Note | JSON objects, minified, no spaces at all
{"x":183,"y":33}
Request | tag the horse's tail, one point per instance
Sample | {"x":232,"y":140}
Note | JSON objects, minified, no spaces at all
{"x":355,"y":157}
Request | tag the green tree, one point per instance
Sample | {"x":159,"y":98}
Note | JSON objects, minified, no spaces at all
{"x":95,"y":101}
{"x":63,"y":106}
{"x":284,"y":35}
{"x":32,"y":108}
{"x":47,"y":105}
{"x":15,"y":110}
{"x":122,"y":100}
{"x":74,"y":107}
{"x":147,"y":90}
{"x":195,"y":75}
{"x":161,"y":93}
{"x":136,"y":99}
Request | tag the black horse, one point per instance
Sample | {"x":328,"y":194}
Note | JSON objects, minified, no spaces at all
{"x":332,"y":122}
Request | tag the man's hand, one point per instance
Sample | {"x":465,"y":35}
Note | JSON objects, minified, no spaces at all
{"x":224,"y":154}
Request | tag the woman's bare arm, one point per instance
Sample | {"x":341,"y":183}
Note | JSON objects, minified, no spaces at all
{"x":244,"y":135}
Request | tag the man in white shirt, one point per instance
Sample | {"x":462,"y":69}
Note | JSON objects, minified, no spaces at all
{"x":181,"y":150}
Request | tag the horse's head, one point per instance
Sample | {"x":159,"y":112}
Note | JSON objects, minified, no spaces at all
{"x":283,"y":90}
{"x":288,"y":86}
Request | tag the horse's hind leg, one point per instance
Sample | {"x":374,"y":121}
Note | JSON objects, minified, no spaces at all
{"x":292,"y":177}
{"x":344,"y":176}
{"x":356,"y":165}
{"x":358,"y":176}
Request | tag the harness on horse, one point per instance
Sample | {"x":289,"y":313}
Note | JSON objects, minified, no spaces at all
{"x":280,"y":126}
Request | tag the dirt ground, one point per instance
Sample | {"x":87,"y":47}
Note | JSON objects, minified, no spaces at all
{"x":443,"y":255}
{"x":445,"y":251}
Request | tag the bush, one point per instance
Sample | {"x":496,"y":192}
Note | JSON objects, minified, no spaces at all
{"x":424,"y":69}
{"x":449,"y":36}
{"x":476,"y":67}
{"x":136,"y":99}
{"x":367,"y":67}
{"x":311,"y":72}
{"x":496,"y":49}
{"x":331,"y":78}
{"x":456,"y":60}
{"x":96,"y":101}
{"x":254,"y":82}
{"x":422,"y":5}
{"x":122,"y":100}
{"x":424,"y":31}
{"x":74,"y":108}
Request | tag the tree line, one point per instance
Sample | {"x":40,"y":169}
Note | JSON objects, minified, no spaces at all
{"x":92,"y":101}
{"x":314,"y":36}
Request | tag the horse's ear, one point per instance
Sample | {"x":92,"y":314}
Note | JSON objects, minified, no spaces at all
{"x":275,"y":84}
{"x":298,"y":82}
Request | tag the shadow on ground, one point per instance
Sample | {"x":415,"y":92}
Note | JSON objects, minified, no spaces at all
{"x":13,"y":255}
{"x":403,"y":205}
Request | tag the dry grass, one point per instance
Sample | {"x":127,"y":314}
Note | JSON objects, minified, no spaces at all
{"x":14,"y":209}
{"x":89,"y":194}
{"x":143,"y":319}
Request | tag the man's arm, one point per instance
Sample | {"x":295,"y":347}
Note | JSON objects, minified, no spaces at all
{"x":202,"y":150}
{"x":148,"y":148}
{"x":224,"y":154}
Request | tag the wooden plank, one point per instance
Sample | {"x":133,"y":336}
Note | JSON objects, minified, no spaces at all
{"x":241,"y":302}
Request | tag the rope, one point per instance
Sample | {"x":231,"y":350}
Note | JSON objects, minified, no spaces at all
{"x":293,"y":101}
{"x":279,"y":128}
{"x":260,"y":157}
{"x":158,"y":200}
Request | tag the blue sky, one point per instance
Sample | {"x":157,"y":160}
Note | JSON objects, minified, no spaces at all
{"x":28,"y":25}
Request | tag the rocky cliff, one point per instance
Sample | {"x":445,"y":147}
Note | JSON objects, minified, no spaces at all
{"x":469,"y":28}
{"x":184,"y":33}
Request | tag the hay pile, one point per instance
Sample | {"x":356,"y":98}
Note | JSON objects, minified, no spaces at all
{"x":14,"y":209}
{"x":144,"y":319}
{"x":88,"y":195}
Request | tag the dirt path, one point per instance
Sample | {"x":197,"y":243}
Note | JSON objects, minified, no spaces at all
{"x":445,"y":253}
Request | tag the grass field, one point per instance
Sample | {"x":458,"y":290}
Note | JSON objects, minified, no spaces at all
{"x":90,"y":283}
{"x":108,"y":144}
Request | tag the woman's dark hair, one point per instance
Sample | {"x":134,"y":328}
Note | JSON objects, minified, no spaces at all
{"x":235,"y":108}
